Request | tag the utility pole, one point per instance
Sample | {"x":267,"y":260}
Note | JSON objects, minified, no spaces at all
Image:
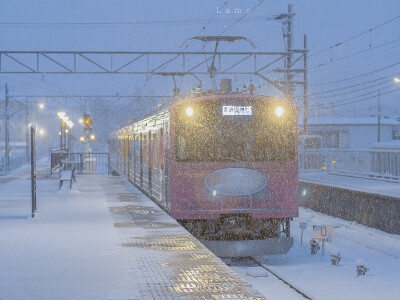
{"x":288,"y":38}
{"x":305,"y":96}
{"x":7,"y":137}
{"x":27,"y":130}
{"x":379,"y":116}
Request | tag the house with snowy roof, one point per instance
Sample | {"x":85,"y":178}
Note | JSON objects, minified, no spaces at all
{"x":354,"y":133}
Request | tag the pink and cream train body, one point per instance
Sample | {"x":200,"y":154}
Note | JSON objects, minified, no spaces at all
{"x":223,"y":165}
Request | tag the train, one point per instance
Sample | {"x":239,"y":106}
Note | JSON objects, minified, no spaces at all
{"x":221,"y":163}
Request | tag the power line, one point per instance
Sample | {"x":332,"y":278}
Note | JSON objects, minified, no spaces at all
{"x":350,"y":92}
{"x":353,"y":54}
{"x":358,"y":76}
{"x":350,"y":86}
{"x":356,"y":101}
{"x":123,"y":24}
{"x":242,"y":17}
{"x":353,"y":37}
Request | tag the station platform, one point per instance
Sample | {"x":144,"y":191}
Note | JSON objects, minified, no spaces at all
{"x":102,"y":240}
{"x":371,"y":202}
{"x":371,"y":186}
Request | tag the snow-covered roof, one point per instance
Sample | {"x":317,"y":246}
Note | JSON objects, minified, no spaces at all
{"x":392,"y":145}
{"x":352,"y":121}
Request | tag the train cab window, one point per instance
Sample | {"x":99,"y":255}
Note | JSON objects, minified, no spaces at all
{"x":208,"y":135}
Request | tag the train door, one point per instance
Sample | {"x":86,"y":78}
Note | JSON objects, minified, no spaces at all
{"x":142,"y":137}
{"x":165,"y":171}
{"x":161,"y":165}
{"x":125,"y":150}
{"x":129,"y":157}
{"x":134,"y":159}
{"x":150,"y":161}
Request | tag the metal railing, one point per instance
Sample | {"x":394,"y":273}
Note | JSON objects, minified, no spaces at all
{"x":363,"y":163}
{"x":90,"y":162}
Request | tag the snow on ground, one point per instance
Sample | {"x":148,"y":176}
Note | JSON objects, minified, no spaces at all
{"x":315,"y":275}
{"x":372,"y":186}
{"x":63,"y":236}
{"x":54,"y":256}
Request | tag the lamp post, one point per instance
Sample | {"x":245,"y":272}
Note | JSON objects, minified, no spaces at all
{"x":70,"y":124}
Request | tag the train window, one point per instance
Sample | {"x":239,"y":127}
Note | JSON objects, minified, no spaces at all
{"x":144,"y":149}
{"x":211,"y":136}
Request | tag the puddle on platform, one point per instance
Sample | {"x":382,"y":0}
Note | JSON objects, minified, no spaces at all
{"x":145,"y":224}
{"x":165,"y":243}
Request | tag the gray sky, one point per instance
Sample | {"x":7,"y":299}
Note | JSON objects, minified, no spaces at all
{"x":325,"y":22}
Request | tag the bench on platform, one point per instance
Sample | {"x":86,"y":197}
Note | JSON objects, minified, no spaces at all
{"x":67,"y":176}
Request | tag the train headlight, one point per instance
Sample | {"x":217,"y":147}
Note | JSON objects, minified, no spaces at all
{"x":189,"y":111}
{"x":279,"y":111}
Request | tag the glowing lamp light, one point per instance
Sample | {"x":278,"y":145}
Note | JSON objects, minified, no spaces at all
{"x":59,"y":132}
{"x":41,"y":105}
{"x":334,"y":161}
{"x":92,"y":137}
{"x":82,"y":139}
{"x":88,"y":122}
{"x":41,"y":131}
{"x":61,"y":114}
{"x":66,"y":130}
{"x":279,"y":111}
{"x":189,"y":111}
{"x":324,"y":167}
{"x":396,"y":79}
{"x":80,"y":121}
{"x":62,"y":124}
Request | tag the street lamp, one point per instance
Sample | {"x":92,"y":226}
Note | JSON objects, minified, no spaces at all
{"x":41,"y":105}
{"x":61,"y":114}
{"x":396,"y":80}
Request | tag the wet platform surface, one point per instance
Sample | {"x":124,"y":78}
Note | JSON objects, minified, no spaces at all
{"x":169,"y":262}
{"x":103,"y":239}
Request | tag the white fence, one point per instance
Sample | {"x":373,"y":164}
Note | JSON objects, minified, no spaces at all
{"x":384,"y":164}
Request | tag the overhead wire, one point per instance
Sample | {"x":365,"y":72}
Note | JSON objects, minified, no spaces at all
{"x":351,"y":55}
{"x":357,"y":76}
{"x":356,"y":101}
{"x":123,"y":24}
{"x":353,"y":37}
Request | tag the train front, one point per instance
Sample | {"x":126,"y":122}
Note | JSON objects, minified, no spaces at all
{"x":234,"y":172}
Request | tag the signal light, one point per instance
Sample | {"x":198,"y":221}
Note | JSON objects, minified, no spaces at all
{"x":87,"y":120}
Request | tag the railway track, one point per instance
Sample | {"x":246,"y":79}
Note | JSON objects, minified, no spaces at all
{"x":292,"y":286}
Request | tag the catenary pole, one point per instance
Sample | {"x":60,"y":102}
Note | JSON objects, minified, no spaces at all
{"x":305,"y":96}
{"x":7,"y":133}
